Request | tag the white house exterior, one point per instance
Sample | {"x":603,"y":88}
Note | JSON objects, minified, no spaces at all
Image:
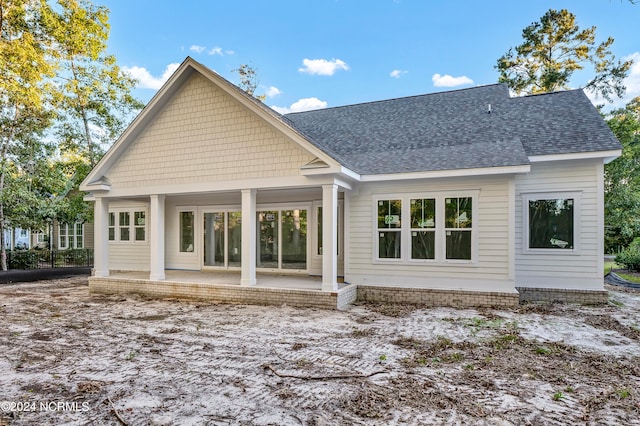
{"x":467,"y":197}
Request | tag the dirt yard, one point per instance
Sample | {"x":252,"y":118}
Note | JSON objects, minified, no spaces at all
{"x":67,"y":357}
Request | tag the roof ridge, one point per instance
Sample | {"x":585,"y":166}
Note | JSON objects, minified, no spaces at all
{"x":398,"y":98}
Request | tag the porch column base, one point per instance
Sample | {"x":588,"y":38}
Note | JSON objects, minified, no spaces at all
{"x":157,"y":277}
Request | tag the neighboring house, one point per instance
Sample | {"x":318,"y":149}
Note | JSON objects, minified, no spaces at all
{"x":17,"y":238}
{"x":468,"y":197}
{"x":65,"y":236}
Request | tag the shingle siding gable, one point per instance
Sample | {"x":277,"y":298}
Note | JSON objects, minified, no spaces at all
{"x":203,"y":134}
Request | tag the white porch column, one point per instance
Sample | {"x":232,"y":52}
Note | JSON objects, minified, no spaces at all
{"x":101,"y":237}
{"x":249,"y":237}
{"x":330,"y":237}
{"x":156,"y":238}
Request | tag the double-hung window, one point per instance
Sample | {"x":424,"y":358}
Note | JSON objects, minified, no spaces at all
{"x":551,"y":222}
{"x":437,"y":227}
{"x":389,"y":229}
{"x":71,"y":236}
{"x":423,"y":228}
{"x":127,"y":226}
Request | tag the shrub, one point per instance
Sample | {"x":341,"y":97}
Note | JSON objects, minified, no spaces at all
{"x":629,"y":258}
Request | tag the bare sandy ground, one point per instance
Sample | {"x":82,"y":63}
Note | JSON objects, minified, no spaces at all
{"x":67,"y":357}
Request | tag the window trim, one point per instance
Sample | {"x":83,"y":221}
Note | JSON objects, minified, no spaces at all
{"x":71,"y":237}
{"x":440,"y":234}
{"x":196,"y":218}
{"x":576,"y":195}
{"x":132,"y":226}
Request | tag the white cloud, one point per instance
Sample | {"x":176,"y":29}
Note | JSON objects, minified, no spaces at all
{"x":450,"y":81}
{"x":216,"y":51}
{"x":305,"y":104}
{"x":322,"y":66}
{"x":146,"y":80}
{"x":229,"y":52}
{"x":272,"y":91}
{"x":197,"y":49}
{"x":397,"y":73}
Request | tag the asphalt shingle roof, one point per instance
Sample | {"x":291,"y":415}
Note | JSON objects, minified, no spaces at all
{"x":453,"y":130}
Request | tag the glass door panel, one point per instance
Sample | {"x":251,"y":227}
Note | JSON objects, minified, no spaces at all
{"x":214,"y":243}
{"x":267,"y":256}
{"x":234,"y":232}
{"x":294,"y":239}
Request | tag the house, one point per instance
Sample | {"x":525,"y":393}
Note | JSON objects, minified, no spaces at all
{"x":16,"y":238}
{"x":467,"y":197}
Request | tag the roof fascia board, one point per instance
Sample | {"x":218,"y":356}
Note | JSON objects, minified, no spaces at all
{"x":447,"y":173}
{"x":610,"y":155}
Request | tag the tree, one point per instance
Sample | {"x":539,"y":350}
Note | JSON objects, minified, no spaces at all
{"x":622,"y":179}
{"x":553,"y":50}
{"x":53,"y":60}
{"x":26,"y":67}
{"x":96,"y":100}
{"x":249,"y":80}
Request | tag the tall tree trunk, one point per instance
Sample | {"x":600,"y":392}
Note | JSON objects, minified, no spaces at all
{"x":85,"y":120}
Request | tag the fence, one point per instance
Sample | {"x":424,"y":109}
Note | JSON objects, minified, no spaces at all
{"x":45,"y":259}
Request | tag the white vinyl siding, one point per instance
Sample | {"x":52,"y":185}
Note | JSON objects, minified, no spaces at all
{"x":562,"y":268}
{"x":128,"y":255}
{"x":491,"y":226}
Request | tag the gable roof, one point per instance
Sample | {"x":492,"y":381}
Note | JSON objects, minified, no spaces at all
{"x":454,"y":130}
{"x":96,"y":180}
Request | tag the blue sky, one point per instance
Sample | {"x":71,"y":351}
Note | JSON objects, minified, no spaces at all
{"x":324,"y":53}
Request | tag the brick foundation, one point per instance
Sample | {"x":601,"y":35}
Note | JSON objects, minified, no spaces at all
{"x":224,"y":293}
{"x":433,"y":297}
{"x":583,"y":297}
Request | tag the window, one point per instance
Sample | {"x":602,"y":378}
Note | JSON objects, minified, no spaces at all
{"x":550,"y":221}
{"x":70,"y":236}
{"x":139,"y":225}
{"x":23,"y":233}
{"x":389,"y":229}
{"x":112,"y":226}
{"x":458,"y":221}
{"x":438,"y":227}
{"x":124,"y":223}
{"x":127,"y":226}
{"x":187,"y":232}
{"x":423,"y":228}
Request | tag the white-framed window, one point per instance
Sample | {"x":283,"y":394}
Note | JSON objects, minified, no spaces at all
{"x":187,"y":231}
{"x":426,"y":227}
{"x":127,"y":226}
{"x":70,"y":236}
{"x":551,"y":222}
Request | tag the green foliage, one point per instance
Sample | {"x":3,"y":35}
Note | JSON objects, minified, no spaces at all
{"x":622,"y":180}
{"x":553,"y":49}
{"x":629,"y":258}
{"x":62,"y":102}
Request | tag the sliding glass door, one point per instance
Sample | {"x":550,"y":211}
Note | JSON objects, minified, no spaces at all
{"x":222,"y":239}
{"x":282,"y":239}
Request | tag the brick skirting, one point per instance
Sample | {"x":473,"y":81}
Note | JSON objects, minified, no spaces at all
{"x":224,"y":293}
{"x":433,"y":297}
{"x":342,"y":298}
{"x":583,"y":297}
